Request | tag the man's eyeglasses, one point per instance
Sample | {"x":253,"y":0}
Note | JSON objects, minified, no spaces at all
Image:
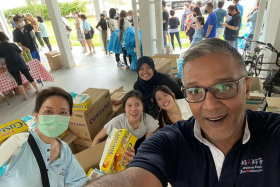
{"x":225,"y":90}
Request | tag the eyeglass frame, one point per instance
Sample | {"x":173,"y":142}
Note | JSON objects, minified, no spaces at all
{"x":183,"y":89}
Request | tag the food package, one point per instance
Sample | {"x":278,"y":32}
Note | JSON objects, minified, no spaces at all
{"x":11,"y":128}
{"x":118,"y":141}
{"x":63,"y":134}
{"x":30,"y":122}
{"x":80,"y":101}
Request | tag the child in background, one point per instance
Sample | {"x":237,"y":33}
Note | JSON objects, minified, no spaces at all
{"x":198,"y":35}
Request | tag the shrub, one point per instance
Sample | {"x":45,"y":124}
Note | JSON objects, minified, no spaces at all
{"x":36,"y":10}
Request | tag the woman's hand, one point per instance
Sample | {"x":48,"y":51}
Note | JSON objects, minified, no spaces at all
{"x":224,"y":24}
{"x":116,"y":102}
{"x":129,"y":154}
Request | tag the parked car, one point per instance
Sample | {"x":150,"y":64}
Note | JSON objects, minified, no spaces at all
{"x":204,"y":3}
{"x":177,"y":4}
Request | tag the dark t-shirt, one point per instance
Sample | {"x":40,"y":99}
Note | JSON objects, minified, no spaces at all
{"x":231,"y":35}
{"x":102,"y":24}
{"x":162,"y":79}
{"x":165,"y":16}
{"x":175,"y":155}
{"x":14,"y":61}
{"x":173,"y":23}
{"x":24,"y":37}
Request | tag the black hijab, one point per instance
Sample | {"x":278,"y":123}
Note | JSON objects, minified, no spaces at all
{"x":147,"y":87}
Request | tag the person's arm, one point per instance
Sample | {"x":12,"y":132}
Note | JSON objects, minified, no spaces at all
{"x":99,"y":137}
{"x":230,"y":26}
{"x":148,"y":134}
{"x":178,"y":21}
{"x":23,"y":47}
{"x":130,"y":177}
{"x":98,"y":25}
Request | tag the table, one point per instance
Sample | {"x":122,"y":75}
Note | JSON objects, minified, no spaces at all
{"x":37,"y":71}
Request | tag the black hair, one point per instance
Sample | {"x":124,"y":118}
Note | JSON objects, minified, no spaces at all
{"x":172,"y":12}
{"x":130,"y":12}
{"x":10,"y":16}
{"x":16,"y":18}
{"x":199,"y":3}
{"x":210,"y":5}
{"x":221,"y":4}
{"x":83,"y":16}
{"x":197,"y":11}
{"x":200,"y":19}
{"x":234,"y":7}
{"x":112,"y":13}
{"x":162,"y":113}
{"x":52,"y":91}
{"x":40,"y":19}
{"x":122,"y":15}
{"x":132,"y":93}
{"x":163,"y":3}
{"x":237,"y":1}
{"x":3,"y":37}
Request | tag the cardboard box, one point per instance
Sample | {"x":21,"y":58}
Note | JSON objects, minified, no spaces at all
{"x":174,"y":59}
{"x":118,"y":109}
{"x":26,"y":87}
{"x":2,"y":99}
{"x":273,"y":101}
{"x":91,"y":157}
{"x":69,"y":138}
{"x":54,"y":59}
{"x":163,"y":65}
{"x":169,"y":49}
{"x":118,"y":142}
{"x":81,"y":144}
{"x":87,"y":123}
{"x":11,"y":128}
{"x":82,"y":106}
{"x":256,"y":94}
{"x":9,"y":94}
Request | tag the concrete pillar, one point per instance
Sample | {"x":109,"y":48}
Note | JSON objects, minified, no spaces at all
{"x":98,"y":6}
{"x":159,"y":28}
{"x":147,"y":22}
{"x":271,"y":32}
{"x":262,"y":4}
{"x":60,"y":33}
{"x":136,"y":28}
{"x":4,"y":26}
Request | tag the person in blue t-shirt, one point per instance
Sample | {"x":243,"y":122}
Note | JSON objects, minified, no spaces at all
{"x":211,"y":22}
{"x":14,"y":26}
{"x":223,"y":144}
{"x":252,"y":17}
{"x":221,"y":14}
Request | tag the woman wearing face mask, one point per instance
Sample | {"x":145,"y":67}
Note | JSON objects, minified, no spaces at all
{"x":232,"y":26}
{"x":171,"y":109}
{"x":80,"y":33}
{"x":191,"y":20}
{"x":53,"y":109}
{"x":134,"y":120}
{"x":15,"y":64}
{"x":129,"y":17}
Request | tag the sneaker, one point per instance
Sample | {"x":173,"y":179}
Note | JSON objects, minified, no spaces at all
{"x":120,"y":64}
{"x":93,"y":52}
{"x":127,"y":68}
{"x":90,"y":54}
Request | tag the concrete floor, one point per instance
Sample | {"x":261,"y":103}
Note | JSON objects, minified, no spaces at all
{"x":99,"y":71}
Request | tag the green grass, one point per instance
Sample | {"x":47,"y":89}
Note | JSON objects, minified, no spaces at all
{"x":92,"y":20}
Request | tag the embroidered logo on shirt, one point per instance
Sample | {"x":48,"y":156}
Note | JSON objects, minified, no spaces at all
{"x":63,"y":172}
{"x":251,"y":166}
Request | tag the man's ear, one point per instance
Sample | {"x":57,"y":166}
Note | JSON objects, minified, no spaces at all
{"x":248,"y":87}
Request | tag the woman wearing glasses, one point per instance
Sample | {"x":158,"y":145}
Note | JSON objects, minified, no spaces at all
{"x":171,"y":109}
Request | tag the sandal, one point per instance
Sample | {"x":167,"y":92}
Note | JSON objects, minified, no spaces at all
{"x":37,"y":92}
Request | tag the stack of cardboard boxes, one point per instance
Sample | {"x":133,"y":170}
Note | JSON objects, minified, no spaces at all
{"x":86,"y":124}
{"x":163,"y":65}
{"x":256,"y":94}
{"x":174,"y":62}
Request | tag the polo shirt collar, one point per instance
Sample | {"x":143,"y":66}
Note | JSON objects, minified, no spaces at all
{"x":199,"y":137}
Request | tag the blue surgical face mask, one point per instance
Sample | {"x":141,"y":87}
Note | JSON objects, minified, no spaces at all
{"x":53,"y":125}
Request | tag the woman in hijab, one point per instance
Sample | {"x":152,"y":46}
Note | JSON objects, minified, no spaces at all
{"x":148,"y":79}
